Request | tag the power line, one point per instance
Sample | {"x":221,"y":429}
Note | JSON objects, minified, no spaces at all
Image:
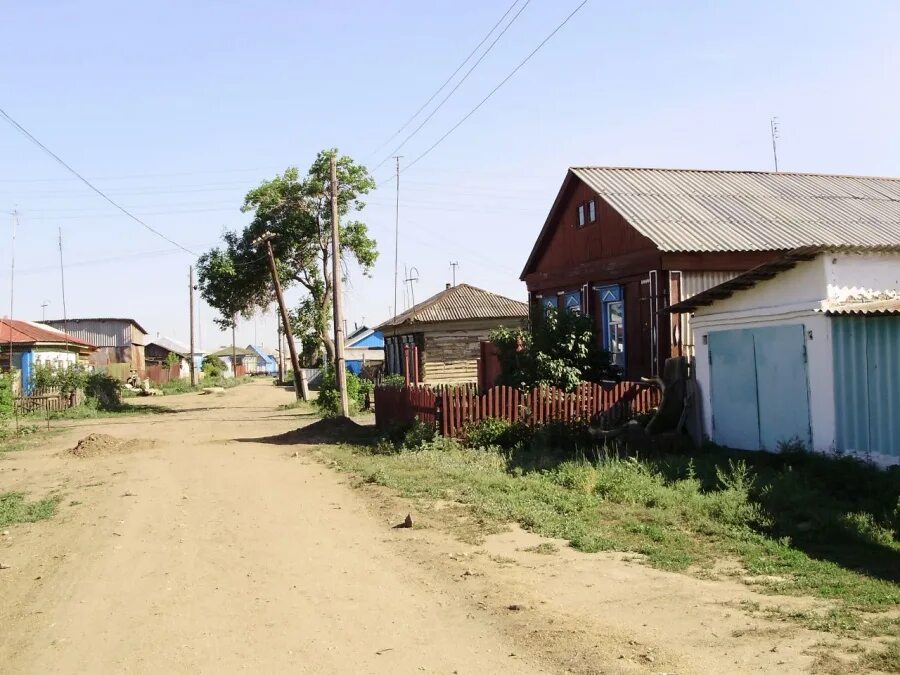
{"x":502,"y":82}
{"x":84,"y":180}
{"x":447,"y":81}
{"x":457,"y":86}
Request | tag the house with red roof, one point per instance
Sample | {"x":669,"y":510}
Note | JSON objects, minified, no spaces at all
{"x":25,"y":344}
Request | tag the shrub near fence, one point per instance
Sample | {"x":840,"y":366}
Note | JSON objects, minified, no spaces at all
{"x":454,"y":408}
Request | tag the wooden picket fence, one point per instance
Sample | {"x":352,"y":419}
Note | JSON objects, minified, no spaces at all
{"x":45,"y":401}
{"x":452,"y":409}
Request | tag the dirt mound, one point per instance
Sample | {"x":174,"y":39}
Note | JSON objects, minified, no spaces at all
{"x":97,"y":445}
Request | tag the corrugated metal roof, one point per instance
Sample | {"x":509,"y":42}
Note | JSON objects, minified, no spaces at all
{"x":98,"y":319}
{"x":460,"y":303}
{"x":171,"y":346}
{"x":238,"y":351}
{"x":884,"y":307}
{"x":743,"y":281}
{"x":26,"y":332}
{"x":695,"y":210}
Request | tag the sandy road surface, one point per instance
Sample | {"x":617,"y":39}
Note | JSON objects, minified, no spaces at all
{"x":210,"y":548}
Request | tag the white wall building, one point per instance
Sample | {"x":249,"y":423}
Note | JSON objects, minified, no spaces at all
{"x":806,"y":348}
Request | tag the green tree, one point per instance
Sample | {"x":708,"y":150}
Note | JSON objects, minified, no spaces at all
{"x":213,"y":366}
{"x":561,"y":350}
{"x":235,"y":279}
{"x":172,"y":359}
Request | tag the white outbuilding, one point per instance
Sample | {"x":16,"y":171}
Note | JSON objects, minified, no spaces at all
{"x":804,"y":349}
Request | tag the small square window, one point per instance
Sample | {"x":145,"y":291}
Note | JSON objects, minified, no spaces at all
{"x":581,"y":220}
{"x":592,"y":211}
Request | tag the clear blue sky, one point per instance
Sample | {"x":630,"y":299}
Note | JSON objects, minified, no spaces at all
{"x":176,"y":109}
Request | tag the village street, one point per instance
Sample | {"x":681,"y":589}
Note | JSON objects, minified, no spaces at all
{"x":204,"y":546}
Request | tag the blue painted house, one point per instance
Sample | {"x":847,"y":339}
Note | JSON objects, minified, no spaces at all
{"x":266,"y":363}
{"x":364,"y":346}
{"x":35,"y":344}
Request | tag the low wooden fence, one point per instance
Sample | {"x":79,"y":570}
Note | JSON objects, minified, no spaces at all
{"x":163,"y":374}
{"x":402,"y":405}
{"x":46,"y":401}
{"x":452,"y":409}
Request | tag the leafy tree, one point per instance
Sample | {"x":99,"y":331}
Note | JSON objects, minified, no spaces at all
{"x":235,"y":279}
{"x":329,"y":399}
{"x":561,"y":350}
{"x":172,"y":359}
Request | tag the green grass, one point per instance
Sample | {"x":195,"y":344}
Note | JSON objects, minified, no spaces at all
{"x":14,"y":509}
{"x":183,"y":385}
{"x":798,"y":524}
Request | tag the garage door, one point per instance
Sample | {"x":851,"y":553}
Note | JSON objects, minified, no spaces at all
{"x":759,"y":390}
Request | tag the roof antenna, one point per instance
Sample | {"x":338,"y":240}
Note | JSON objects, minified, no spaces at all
{"x":454,"y":265}
{"x":773,"y":127}
{"x":412,"y":277}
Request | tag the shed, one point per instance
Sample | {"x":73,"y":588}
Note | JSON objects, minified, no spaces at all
{"x":622,"y":244}
{"x":264,"y":364}
{"x":157,"y":351}
{"x":118,"y":340}
{"x":447,"y":330}
{"x":804,"y":349}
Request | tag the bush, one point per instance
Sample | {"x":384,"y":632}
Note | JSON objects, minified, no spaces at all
{"x":417,"y":435}
{"x":329,"y":399}
{"x":213,"y":366}
{"x":560,"y":351}
{"x":393,"y":381}
{"x":68,"y":379}
{"x":6,"y":400}
{"x":105,"y":390}
{"x":493,"y":432}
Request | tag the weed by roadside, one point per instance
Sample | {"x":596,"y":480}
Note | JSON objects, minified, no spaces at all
{"x":15,"y":509}
{"x":183,"y":385}
{"x":798,"y":524}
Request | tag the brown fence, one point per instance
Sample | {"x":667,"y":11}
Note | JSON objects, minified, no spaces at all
{"x":163,"y":374}
{"x":402,"y":405}
{"x":454,"y":408}
{"x":46,"y":400}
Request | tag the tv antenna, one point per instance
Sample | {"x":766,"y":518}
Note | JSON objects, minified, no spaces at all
{"x":773,"y":127}
{"x":44,"y":305}
{"x":453,"y":266}
{"x":412,"y":277}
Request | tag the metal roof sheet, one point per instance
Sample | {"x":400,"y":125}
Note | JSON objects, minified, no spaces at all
{"x":171,"y":345}
{"x":27,"y":332}
{"x":708,"y":211}
{"x":460,"y":303}
{"x":882,"y":307}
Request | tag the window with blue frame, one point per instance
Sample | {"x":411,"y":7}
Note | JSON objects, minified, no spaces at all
{"x":572,"y":301}
{"x":612,"y":315}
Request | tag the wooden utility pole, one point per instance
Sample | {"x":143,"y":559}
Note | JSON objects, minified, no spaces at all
{"x":191,"y":295}
{"x":266,"y":239}
{"x":340,"y":366}
{"x":233,"y":347}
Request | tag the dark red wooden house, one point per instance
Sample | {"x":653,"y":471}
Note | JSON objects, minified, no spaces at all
{"x":622,"y":244}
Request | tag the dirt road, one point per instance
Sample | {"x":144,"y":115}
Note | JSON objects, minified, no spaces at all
{"x":206,"y":546}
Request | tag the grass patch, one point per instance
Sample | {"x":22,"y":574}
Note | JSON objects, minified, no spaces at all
{"x":544,"y":548}
{"x":14,"y":509}
{"x":799,"y":524}
{"x":886,"y":661}
{"x":183,"y":385}
{"x":295,"y":405}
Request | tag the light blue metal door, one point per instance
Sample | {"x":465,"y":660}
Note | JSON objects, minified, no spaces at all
{"x":735,"y":408}
{"x":782,"y":389}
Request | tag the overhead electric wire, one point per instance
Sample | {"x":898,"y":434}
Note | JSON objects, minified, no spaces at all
{"x":84,"y":180}
{"x":457,"y":86}
{"x":495,"y":89}
{"x":447,"y":81}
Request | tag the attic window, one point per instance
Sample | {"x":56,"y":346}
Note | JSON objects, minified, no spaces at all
{"x":587,"y":213}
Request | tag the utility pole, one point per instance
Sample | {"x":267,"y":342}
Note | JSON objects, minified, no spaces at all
{"x":340,"y":367}
{"x":233,"y":347}
{"x":12,"y":294}
{"x":191,"y":296}
{"x":397,"y":234}
{"x":266,"y":239}
{"x":773,"y":128}
{"x":453,"y":266}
